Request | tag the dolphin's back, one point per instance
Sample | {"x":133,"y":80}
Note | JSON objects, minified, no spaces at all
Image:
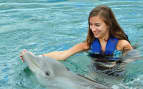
{"x":84,"y":81}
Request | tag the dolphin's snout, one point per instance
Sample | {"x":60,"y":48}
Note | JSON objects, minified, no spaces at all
{"x":22,"y":54}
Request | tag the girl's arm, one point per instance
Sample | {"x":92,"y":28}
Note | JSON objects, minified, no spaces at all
{"x":63,"y":55}
{"x":126,"y":46}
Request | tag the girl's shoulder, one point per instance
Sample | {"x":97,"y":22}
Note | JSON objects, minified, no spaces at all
{"x":124,"y":45}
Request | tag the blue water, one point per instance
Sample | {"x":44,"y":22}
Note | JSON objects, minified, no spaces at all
{"x":43,"y":26}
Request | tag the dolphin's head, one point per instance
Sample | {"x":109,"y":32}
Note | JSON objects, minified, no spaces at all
{"x":44,"y":67}
{"x":50,"y":72}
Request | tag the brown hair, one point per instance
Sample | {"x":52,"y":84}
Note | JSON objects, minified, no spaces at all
{"x":107,"y":15}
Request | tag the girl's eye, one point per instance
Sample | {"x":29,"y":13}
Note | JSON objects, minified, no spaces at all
{"x":97,"y":25}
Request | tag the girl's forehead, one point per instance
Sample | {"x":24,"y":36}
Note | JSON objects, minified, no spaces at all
{"x":96,"y":19}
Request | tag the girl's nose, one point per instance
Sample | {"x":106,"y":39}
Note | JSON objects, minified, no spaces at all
{"x":93,"y":28}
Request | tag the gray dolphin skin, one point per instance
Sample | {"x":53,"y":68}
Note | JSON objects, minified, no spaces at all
{"x":53,"y":74}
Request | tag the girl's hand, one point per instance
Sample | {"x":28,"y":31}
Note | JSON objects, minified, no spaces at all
{"x":21,"y":55}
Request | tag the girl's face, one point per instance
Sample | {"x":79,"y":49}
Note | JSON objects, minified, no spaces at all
{"x":98,"y":27}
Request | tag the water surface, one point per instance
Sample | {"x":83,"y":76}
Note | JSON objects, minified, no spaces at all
{"x":43,"y":26}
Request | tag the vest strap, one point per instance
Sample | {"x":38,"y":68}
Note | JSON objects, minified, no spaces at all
{"x":110,"y":46}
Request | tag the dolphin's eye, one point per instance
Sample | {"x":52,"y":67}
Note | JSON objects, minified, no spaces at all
{"x":47,"y":73}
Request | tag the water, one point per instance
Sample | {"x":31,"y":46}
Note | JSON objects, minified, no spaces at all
{"x":42,"y":26}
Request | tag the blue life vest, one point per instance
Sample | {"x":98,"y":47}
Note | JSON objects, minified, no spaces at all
{"x":96,"y":50}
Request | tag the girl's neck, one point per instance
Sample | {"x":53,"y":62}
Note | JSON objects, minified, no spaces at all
{"x":105,"y":38}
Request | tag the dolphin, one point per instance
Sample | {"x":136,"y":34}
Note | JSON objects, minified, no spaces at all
{"x":53,"y":74}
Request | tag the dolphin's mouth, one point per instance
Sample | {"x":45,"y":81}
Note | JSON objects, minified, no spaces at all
{"x":31,"y":60}
{"x":34,"y":63}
